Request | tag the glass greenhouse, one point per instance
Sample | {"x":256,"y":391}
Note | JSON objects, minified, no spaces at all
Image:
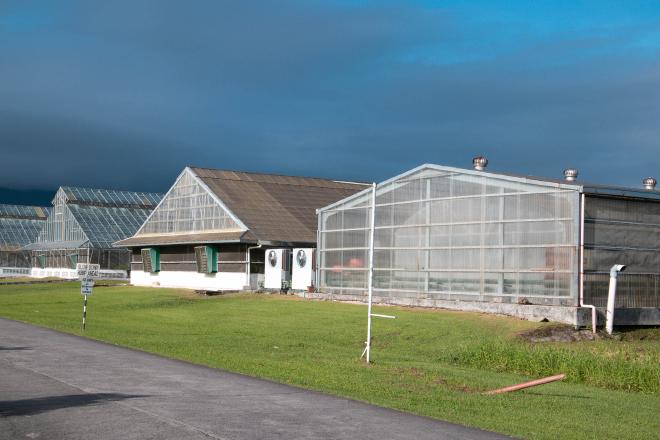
{"x":19,"y":226}
{"x":83,"y":224}
{"x":446,"y":236}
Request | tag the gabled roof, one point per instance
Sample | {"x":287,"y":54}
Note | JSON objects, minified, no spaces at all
{"x":267,"y":208}
{"x":20,"y":225}
{"x":583,"y":187}
{"x":99,"y":216}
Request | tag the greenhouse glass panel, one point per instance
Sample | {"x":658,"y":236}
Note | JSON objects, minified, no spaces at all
{"x":447,"y":234}
{"x":188,"y":208}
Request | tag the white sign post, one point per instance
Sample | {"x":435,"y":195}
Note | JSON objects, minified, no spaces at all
{"x":86,"y":273}
{"x":370,"y":279}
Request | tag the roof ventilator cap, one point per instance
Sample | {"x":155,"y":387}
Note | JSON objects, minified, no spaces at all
{"x":649,"y":183}
{"x":570,"y":174}
{"x":479,"y":163}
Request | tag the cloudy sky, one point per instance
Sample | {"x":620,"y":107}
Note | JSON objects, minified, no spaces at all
{"x":124,"y":94}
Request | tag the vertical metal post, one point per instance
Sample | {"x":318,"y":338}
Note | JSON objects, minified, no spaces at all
{"x":370,"y":281}
{"x":85,"y":301}
{"x":84,"y":312}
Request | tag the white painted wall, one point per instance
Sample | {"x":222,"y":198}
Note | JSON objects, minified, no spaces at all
{"x":190,"y":280}
{"x":274,"y":275}
{"x":302,"y":276}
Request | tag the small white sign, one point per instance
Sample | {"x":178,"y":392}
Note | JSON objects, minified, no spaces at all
{"x":87,"y":282}
{"x":88,"y":270}
{"x":84,"y":290}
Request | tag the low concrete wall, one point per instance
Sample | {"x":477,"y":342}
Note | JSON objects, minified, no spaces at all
{"x":72,"y":274}
{"x":631,"y":316}
{"x":579,"y":316}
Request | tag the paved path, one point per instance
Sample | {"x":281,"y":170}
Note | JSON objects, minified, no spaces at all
{"x":57,"y":386}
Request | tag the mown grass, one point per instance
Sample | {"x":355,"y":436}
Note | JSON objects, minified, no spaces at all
{"x":434,"y":363}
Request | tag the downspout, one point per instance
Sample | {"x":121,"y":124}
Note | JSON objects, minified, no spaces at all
{"x":611,"y":297}
{"x":594,"y":317}
{"x":248,"y":264}
{"x":317,"y":253}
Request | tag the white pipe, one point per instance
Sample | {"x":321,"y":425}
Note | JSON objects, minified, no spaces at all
{"x":611,"y":296}
{"x":370,"y":280}
{"x":594,"y":317}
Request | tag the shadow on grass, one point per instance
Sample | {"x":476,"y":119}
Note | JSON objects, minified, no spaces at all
{"x":28,"y":407}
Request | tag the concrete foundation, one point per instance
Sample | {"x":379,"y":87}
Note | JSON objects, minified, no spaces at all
{"x":578,"y":316}
{"x":72,"y":274}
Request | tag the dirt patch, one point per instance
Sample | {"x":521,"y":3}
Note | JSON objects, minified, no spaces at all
{"x":557,"y":333}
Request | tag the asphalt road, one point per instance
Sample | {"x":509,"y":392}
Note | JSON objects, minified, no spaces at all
{"x":57,"y":386}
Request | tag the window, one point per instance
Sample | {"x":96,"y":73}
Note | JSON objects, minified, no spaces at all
{"x":150,"y":260}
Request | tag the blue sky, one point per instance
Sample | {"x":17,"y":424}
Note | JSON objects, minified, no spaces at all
{"x":124,"y":94}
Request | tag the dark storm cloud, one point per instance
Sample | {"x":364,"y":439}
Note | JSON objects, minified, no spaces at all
{"x":124,"y":94}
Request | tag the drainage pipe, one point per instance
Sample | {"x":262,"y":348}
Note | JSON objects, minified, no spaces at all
{"x":594,"y":317}
{"x":611,"y":296}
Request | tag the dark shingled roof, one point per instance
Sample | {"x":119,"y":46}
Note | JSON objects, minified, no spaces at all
{"x":276,"y":208}
{"x":201,"y":238}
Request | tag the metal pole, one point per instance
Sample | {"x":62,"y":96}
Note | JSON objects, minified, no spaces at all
{"x":370,"y":281}
{"x":85,"y":301}
{"x":84,"y":312}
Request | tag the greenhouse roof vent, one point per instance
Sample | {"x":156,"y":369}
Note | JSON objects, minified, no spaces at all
{"x":480,"y":163}
{"x":649,"y":183}
{"x":570,"y":174}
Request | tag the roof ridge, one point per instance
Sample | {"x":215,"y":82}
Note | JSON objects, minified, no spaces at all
{"x":321,"y":179}
{"x":109,"y":189}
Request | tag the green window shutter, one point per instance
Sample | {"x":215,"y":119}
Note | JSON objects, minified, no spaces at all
{"x":73,"y":260}
{"x":150,"y":260}
{"x":206,"y":258}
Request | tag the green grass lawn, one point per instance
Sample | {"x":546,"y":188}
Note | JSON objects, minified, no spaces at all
{"x":434,"y":363}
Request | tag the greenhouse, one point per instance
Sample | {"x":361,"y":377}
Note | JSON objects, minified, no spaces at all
{"x":213,"y":227}
{"x":81,"y":227}
{"x":19,"y":226}
{"x":478,"y":240}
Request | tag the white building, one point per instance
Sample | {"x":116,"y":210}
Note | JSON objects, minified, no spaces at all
{"x":215,"y":230}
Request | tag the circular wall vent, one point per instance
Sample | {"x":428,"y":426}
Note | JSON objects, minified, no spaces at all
{"x":301,"y":258}
{"x":272,"y":258}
